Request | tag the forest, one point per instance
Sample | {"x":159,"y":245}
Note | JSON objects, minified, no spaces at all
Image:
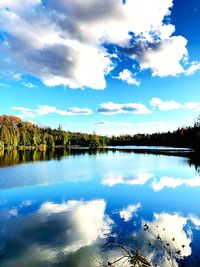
{"x":18,"y":134}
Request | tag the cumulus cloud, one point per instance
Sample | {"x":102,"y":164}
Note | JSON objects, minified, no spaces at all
{"x":114,"y":179}
{"x":165,"y":58}
{"x":171,"y":182}
{"x":170,"y":228}
{"x":174,"y":105}
{"x":58,"y":233}
{"x":63,"y":43}
{"x":127,"y":213}
{"x":82,"y":214}
{"x":111,"y":108}
{"x":157,"y":184}
{"x":127,"y":76}
{"x":54,"y":232}
{"x":164,"y":105}
{"x":45,"y":110}
{"x":166,"y":235}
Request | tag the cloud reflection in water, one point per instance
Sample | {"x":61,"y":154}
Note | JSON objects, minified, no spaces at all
{"x":73,"y":234}
{"x":171,"y":182}
{"x":138,"y":179}
{"x":156,"y":184}
{"x":53,"y":232}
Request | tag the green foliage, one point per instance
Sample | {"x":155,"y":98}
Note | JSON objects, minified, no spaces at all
{"x":14,"y":133}
{"x":182,"y":137}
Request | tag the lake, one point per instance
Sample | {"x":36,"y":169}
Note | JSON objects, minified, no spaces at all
{"x":73,"y":208}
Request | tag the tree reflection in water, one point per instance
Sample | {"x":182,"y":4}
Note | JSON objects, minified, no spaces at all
{"x":13,"y":157}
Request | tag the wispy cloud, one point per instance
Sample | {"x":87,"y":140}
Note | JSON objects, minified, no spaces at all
{"x":16,"y":76}
{"x":45,"y":110}
{"x":26,"y":203}
{"x":195,"y":66}
{"x":111,"y":108}
{"x":194,"y":106}
{"x":3,"y":85}
{"x":108,"y":123}
{"x":139,"y":179}
{"x":28,"y":84}
{"x":117,"y":128}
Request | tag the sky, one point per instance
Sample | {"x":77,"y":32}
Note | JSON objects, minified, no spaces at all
{"x":109,"y":66}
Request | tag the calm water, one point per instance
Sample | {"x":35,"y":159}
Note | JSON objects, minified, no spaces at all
{"x":60,"y":209}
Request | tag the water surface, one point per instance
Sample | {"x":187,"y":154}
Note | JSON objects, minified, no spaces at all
{"x":60,"y":209}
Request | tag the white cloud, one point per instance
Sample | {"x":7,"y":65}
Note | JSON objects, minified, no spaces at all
{"x":45,"y":110}
{"x":167,"y":234}
{"x":155,"y":127}
{"x":81,"y":215}
{"x":111,"y":108}
{"x":26,"y":203}
{"x":171,"y":182}
{"x":3,"y":85}
{"x":170,"y":228}
{"x":127,"y":213}
{"x":113,"y":123}
{"x":173,"y":105}
{"x":63,"y":42}
{"x":13,"y":212}
{"x":164,"y":59}
{"x":17,"y":4}
{"x":195,"y":220}
{"x":118,"y":128}
{"x":127,"y":76}
{"x":103,"y":123}
{"x":195,"y":106}
{"x":68,"y":227}
{"x":113,"y":179}
{"x":164,"y":105}
{"x":195,"y":66}
{"x":76,"y":111}
{"x":25,"y":112}
{"x":28,"y":84}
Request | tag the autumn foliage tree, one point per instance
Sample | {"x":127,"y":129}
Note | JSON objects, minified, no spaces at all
{"x":14,"y":133}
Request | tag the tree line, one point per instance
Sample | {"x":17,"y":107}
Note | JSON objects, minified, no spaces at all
{"x":17,"y":134}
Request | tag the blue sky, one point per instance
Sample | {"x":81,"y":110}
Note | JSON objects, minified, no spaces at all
{"x":101,"y":66}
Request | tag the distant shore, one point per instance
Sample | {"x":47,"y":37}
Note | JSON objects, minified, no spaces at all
{"x":20,"y":135}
